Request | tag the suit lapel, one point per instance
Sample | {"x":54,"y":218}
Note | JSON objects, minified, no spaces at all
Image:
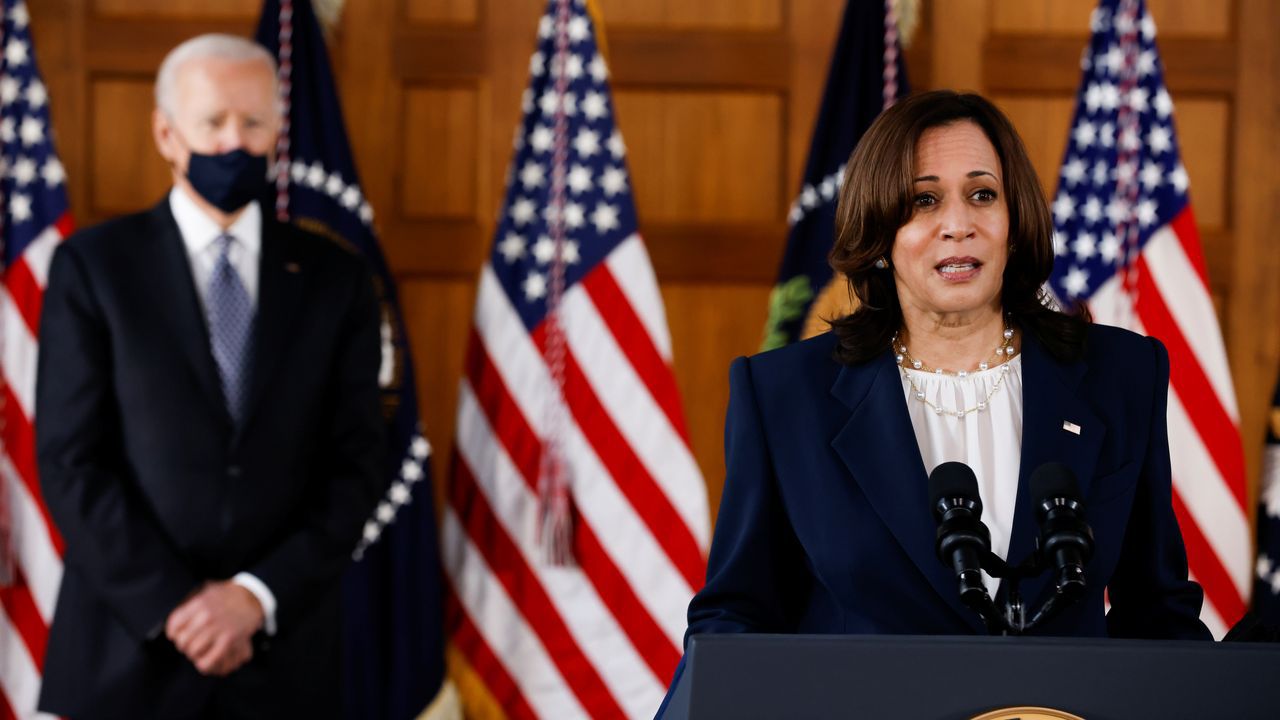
{"x":1050,"y":400}
{"x":180,"y":306}
{"x":279,"y":295}
{"x":878,"y":445}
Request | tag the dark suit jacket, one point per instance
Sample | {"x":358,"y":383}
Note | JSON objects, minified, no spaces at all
{"x":825,"y":524}
{"x":155,"y":490}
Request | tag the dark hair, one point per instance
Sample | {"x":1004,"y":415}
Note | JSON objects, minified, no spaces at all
{"x":876,"y":200}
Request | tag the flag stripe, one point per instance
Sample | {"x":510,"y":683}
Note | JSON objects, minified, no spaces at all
{"x":630,"y":475}
{"x":1218,"y":588}
{"x":1207,"y":499}
{"x":505,"y":629}
{"x":20,"y":353}
{"x":36,"y":554}
{"x":522,"y":585}
{"x":21,"y":608}
{"x":483,"y":662}
{"x":630,"y":267}
{"x":26,"y":294}
{"x":19,"y":678}
{"x":1221,"y":436}
{"x":654,"y":578}
{"x":636,"y":343}
{"x":1191,"y":306}
{"x":1210,"y":617}
{"x":513,"y":501}
{"x":610,"y":375}
{"x":521,"y":445}
{"x":1184,"y":228}
{"x":19,"y":439}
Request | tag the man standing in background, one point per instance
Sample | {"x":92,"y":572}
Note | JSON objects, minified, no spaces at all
{"x":209,"y":426}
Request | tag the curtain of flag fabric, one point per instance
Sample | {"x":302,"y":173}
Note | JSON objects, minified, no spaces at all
{"x":393,"y":645}
{"x":1127,"y":245}
{"x":867,"y":75}
{"x":34,"y":218}
{"x":569,"y":371}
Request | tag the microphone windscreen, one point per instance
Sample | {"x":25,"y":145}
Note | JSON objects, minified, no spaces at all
{"x":953,"y":479}
{"x":1053,"y":480}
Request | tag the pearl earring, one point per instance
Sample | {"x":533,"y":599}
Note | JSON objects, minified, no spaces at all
{"x":881,"y":263}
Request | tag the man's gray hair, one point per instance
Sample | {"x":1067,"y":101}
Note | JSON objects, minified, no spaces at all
{"x":213,"y":45}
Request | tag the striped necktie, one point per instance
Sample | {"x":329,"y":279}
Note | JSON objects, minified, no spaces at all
{"x":230,"y":313}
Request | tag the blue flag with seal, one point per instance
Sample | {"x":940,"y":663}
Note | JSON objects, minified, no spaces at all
{"x":867,"y":75}
{"x":1266,"y":590}
{"x":392,"y":635}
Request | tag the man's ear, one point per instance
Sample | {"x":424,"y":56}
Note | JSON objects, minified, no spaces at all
{"x":162,"y":133}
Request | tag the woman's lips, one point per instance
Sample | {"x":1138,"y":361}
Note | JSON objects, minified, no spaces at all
{"x":959,"y":269}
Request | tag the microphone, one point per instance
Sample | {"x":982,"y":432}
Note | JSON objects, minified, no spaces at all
{"x":962,"y":540}
{"x":1065,"y":538}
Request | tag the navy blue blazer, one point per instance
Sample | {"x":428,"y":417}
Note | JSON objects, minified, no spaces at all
{"x":825,"y":524}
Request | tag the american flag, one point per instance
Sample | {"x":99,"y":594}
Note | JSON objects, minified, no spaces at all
{"x":34,"y":218}
{"x":1126,"y":243}
{"x":568,"y":380}
{"x":1266,"y":591}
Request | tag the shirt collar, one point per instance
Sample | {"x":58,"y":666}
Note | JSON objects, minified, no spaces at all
{"x":199,"y":231}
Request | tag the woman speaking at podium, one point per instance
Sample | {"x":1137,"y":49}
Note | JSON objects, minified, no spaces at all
{"x":953,"y":354}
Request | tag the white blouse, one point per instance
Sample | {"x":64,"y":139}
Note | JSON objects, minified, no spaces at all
{"x":989,"y":441}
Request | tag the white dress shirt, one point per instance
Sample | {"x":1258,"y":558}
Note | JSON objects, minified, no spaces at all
{"x":199,"y":233}
{"x":990,"y":441}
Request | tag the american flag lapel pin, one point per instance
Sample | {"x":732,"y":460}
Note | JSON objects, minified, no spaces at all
{"x":1071,"y":427}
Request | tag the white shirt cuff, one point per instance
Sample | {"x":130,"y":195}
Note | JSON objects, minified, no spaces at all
{"x":265,"y":597}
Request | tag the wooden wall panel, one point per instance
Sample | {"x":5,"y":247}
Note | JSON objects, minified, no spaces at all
{"x":710,"y":326}
{"x":1253,"y":337}
{"x":1043,"y":124}
{"x":714,"y":157}
{"x":177,"y":8}
{"x":127,"y":172}
{"x":442,"y":11}
{"x":1203,"y":127}
{"x":440,"y":137}
{"x":1071,"y":17}
{"x":437,"y":316}
{"x":683,"y":14}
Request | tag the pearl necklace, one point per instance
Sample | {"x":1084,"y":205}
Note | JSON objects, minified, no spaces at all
{"x":1004,"y":353}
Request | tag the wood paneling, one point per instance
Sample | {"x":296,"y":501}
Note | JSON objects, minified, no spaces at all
{"x":709,"y":327}
{"x":709,"y":157}
{"x":442,"y":11}
{"x":1038,"y":64}
{"x":437,"y":315}
{"x":1203,"y":128}
{"x":723,"y":60}
{"x":440,"y":129}
{"x":1071,"y":17}
{"x":1253,"y":337}
{"x":1043,"y":123}
{"x":127,"y":171}
{"x":683,"y":14}
{"x":186,"y":9}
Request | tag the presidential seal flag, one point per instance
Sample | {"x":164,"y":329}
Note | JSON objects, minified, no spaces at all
{"x":34,"y":218}
{"x":392,"y":636}
{"x":867,"y":75}
{"x":1266,"y":591}
{"x":576,"y":525}
{"x":1127,"y":245}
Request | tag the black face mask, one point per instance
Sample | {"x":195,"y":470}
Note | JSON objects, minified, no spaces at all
{"x":228,"y":181}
